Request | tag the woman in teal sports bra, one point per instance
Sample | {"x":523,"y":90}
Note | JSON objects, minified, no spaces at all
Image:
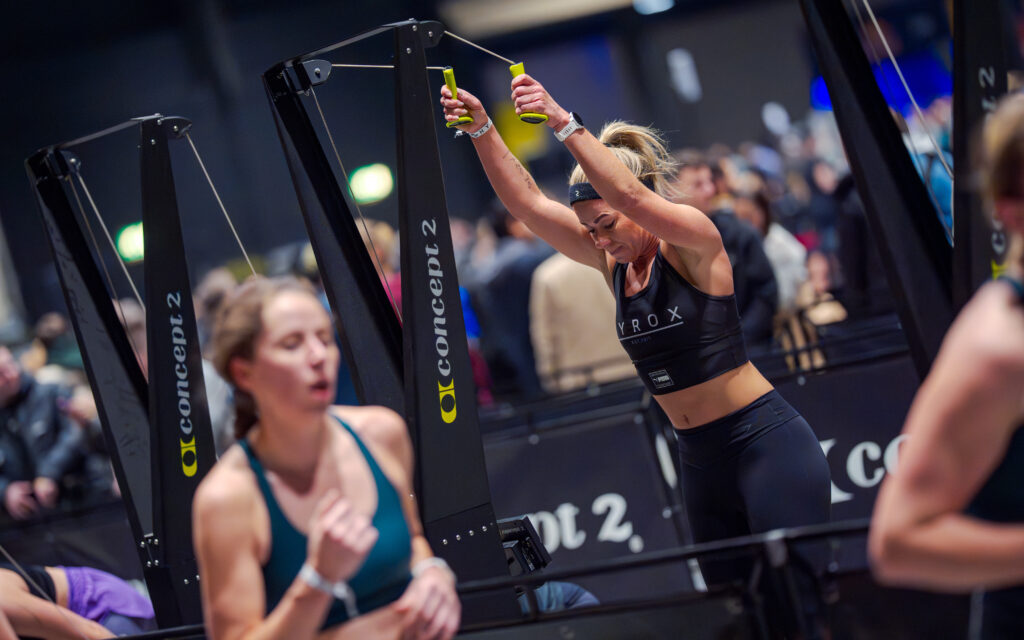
{"x":309,"y":528}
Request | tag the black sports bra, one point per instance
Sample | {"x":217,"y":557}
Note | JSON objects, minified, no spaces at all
{"x":676,"y":335}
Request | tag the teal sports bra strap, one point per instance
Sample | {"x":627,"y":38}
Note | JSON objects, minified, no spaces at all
{"x":1016,"y":284}
{"x":261,"y":476}
{"x":378,"y":475}
{"x":268,"y":494}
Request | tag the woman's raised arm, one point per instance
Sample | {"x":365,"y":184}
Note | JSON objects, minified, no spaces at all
{"x":680,"y":225}
{"x":552,"y":221}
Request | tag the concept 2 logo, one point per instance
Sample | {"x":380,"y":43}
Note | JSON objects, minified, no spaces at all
{"x":560,"y":528}
{"x":187,"y":440}
{"x":866,"y":464}
{"x":446,"y":382}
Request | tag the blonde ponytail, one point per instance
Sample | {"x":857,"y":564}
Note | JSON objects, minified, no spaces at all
{"x":642,"y":150}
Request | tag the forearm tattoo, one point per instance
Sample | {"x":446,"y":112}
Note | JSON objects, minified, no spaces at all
{"x":527,"y":178}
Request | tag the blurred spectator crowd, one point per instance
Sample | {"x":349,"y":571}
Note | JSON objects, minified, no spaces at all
{"x":52,"y":451}
{"x":538,"y":323}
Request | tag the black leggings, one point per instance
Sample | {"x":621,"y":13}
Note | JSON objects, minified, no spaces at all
{"x":757,"y":469}
{"x":754,"y":470}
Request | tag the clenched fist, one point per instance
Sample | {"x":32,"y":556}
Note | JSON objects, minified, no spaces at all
{"x":339,"y":539}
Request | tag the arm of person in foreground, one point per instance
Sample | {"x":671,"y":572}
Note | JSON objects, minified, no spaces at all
{"x":958,"y":428}
{"x":234,"y":605}
{"x":34,"y":617}
{"x":6,"y":630}
{"x":552,"y":221}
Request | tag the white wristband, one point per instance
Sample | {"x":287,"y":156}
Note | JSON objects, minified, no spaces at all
{"x":481,"y":131}
{"x":432,"y":561}
{"x":339,"y":589}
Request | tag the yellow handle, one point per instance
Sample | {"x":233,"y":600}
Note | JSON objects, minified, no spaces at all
{"x":532,"y":118}
{"x":449,"y":79}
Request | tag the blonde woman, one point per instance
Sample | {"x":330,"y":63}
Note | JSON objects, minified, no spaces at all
{"x":743,"y":448}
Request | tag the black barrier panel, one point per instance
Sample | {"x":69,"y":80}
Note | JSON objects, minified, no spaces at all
{"x":857,"y":414}
{"x":587,"y":482}
{"x":593,"y":491}
{"x":866,"y":610}
{"x":706,"y":619}
{"x":98,"y":536}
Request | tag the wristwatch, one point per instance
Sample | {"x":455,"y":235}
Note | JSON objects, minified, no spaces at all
{"x":575,"y":122}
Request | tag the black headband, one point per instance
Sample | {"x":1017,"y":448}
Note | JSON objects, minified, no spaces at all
{"x":586,"y":191}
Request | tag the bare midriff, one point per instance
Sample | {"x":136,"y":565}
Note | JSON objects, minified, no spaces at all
{"x":60,"y":585}
{"x":715,"y":398}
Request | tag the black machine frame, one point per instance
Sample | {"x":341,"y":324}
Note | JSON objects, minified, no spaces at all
{"x":932,"y":280}
{"x":420,"y":369}
{"x":979,"y":80}
{"x":911,"y":243}
{"x":156,"y":425}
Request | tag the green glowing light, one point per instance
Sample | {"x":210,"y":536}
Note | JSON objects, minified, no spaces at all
{"x":371,"y":183}
{"x":129,"y":242}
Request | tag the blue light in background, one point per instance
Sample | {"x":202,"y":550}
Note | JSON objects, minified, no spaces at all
{"x":926,"y":75}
